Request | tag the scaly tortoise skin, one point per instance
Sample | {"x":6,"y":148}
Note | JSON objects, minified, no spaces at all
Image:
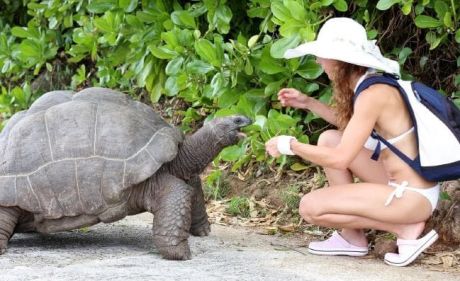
{"x":76,"y":159}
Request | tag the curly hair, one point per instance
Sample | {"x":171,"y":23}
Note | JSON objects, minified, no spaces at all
{"x":342,"y":91}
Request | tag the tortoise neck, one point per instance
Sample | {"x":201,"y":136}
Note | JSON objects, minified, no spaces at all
{"x":195,"y":153}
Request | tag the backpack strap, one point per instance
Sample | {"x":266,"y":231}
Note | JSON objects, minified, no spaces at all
{"x":391,"y":80}
{"x":380,"y":79}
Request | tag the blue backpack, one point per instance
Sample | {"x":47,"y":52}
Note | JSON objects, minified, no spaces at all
{"x":436,"y":121}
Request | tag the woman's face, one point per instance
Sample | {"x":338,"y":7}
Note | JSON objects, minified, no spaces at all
{"x":328,"y":66}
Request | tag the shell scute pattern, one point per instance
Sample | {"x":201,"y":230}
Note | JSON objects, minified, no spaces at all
{"x":72,"y":154}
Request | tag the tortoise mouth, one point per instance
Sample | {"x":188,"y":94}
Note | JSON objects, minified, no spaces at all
{"x":240,"y":135}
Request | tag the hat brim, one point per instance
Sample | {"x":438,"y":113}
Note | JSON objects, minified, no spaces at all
{"x":343,"y":53}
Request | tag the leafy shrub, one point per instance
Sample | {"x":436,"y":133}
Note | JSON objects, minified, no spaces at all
{"x":221,"y":57}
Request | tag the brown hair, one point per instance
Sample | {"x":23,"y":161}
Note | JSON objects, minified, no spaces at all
{"x":342,"y":91}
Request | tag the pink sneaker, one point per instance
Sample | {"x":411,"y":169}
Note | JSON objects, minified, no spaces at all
{"x":409,"y":250}
{"x":335,"y":246}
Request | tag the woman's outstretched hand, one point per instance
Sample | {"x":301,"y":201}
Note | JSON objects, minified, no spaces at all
{"x":293,"y":98}
{"x":280,"y":145}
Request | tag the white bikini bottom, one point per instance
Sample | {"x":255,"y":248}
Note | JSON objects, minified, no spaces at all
{"x":432,"y":193}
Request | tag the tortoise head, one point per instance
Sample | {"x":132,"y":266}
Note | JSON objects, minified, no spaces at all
{"x":200,"y":148}
{"x":225,"y":131}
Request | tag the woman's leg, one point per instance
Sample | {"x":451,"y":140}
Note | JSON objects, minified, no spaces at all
{"x":362,"y":205}
{"x":363,"y":167}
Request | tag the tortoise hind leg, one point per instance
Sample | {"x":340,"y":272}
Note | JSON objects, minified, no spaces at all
{"x":9,"y":217}
{"x":172,"y":218}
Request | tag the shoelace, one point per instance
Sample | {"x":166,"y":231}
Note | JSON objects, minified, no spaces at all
{"x":398,"y":192}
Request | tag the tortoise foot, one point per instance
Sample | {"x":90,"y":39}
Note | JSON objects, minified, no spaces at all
{"x":201,"y":230}
{"x":3,"y":246}
{"x":177,"y":252}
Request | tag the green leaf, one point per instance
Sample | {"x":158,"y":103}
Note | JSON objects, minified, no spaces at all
{"x":296,"y":10}
{"x":457,"y":36}
{"x":174,"y":84}
{"x":105,"y":23}
{"x":291,"y":28}
{"x":232,"y":153}
{"x":30,"y":51}
{"x":273,"y":87}
{"x":162,"y":52}
{"x":278,"y":48}
{"x":245,"y":106}
{"x":257,"y":12}
{"x":206,"y":50}
{"x":280,"y":11}
{"x":224,"y":15}
{"x":261,"y":121}
{"x":268,"y":64}
{"x":423,"y":21}
{"x":248,"y":69}
{"x":403,"y":54}
{"x":307,"y":33}
{"x":156,"y":91}
{"x":21,"y":32}
{"x":134,"y":21}
{"x":198,"y":67}
{"x":441,"y":8}
{"x":406,"y":8}
{"x":386,"y":4}
{"x":310,"y":69}
{"x":299,"y":166}
{"x":128,"y":5}
{"x":432,"y":39}
{"x":173,"y":66}
{"x":279,"y":123}
{"x":183,"y":18}
{"x":101,"y":6}
{"x":19,"y":96}
{"x":448,"y":20}
{"x":372,"y":34}
{"x":340,"y":5}
{"x":228,"y":98}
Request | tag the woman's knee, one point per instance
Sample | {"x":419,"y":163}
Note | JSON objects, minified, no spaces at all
{"x":308,"y":208}
{"x":330,"y":138}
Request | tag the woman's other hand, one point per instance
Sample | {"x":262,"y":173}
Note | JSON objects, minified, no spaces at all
{"x":293,"y":98}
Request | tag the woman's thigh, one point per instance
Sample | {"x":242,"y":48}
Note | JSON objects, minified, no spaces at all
{"x":366,"y":200}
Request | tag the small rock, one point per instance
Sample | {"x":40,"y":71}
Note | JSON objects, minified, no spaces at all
{"x":384,"y":245}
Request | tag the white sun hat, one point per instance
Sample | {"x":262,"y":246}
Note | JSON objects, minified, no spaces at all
{"x":345,"y":40}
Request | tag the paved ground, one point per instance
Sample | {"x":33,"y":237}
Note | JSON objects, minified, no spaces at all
{"x":123,"y":251}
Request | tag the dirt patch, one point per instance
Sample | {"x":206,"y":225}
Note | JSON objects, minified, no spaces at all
{"x":273,"y":203}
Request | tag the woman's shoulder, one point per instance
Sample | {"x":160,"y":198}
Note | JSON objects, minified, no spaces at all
{"x":378,"y":92}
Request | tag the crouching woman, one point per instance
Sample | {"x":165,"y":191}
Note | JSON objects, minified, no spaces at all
{"x":390,"y":195}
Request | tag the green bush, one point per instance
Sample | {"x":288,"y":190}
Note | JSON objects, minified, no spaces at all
{"x":221,"y":57}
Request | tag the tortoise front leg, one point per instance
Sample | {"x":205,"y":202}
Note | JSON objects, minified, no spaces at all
{"x":200,"y":224}
{"x":172,"y":217}
{"x":9,"y":217}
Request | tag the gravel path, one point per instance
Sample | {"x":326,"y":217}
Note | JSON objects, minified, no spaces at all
{"x":123,"y":251}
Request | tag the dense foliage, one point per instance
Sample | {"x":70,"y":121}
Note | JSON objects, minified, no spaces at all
{"x":220,"y":57}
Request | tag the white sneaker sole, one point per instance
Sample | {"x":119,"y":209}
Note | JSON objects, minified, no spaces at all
{"x":338,"y":253}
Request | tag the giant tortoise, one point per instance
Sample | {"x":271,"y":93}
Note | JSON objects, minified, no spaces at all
{"x":76,"y":159}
